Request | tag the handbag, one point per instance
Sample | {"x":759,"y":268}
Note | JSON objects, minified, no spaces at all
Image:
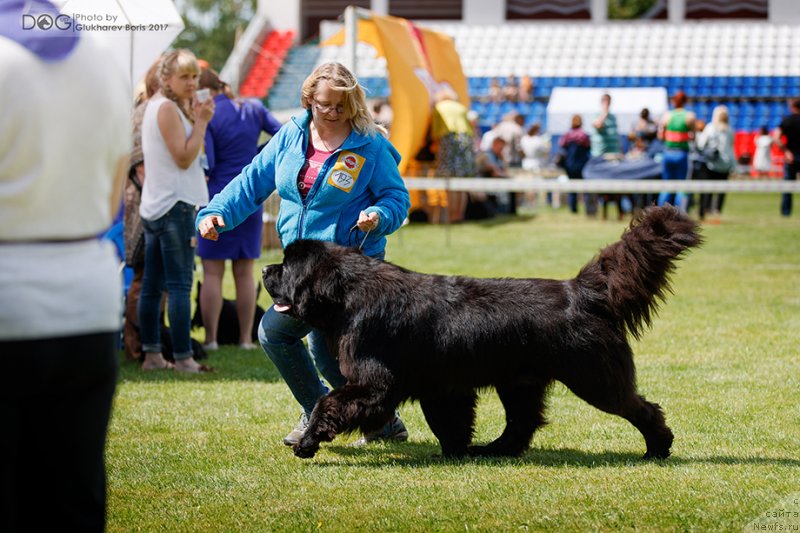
{"x":133,"y":230}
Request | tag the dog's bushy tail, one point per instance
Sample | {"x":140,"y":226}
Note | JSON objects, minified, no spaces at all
{"x":633,"y":273}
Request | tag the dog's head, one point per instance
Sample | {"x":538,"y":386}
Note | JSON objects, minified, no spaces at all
{"x":312,"y":281}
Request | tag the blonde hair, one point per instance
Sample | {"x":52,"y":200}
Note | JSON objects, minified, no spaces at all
{"x":720,"y":117}
{"x":177,"y":62}
{"x":354,"y":101}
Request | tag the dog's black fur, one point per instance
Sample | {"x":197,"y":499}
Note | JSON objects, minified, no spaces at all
{"x":403,"y":335}
{"x":228,"y":328}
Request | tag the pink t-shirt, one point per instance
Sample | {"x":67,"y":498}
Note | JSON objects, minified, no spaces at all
{"x":310,"y":171}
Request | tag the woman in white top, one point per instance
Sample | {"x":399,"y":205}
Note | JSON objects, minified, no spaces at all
{"x":173,"y":129}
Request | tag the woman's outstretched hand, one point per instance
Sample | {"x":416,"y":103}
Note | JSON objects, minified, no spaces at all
{"x":208,"y":227}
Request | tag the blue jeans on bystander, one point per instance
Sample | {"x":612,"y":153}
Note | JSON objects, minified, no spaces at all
{"x":676,"y":167}
{"x":168,"y":263}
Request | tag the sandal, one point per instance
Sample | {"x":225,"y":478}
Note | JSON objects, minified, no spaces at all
{"x":167,"y":366}
{"x":201,"y":369}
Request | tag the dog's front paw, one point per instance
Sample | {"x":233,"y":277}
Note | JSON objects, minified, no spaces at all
{"x":306,"y":448}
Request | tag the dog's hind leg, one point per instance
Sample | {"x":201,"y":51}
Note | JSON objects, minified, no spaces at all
{"x":345,"y":409}
{"x":612,"y":388}
{"x":648,"y":418}
{"x":451,"y":417}
{"x":524,"y":406}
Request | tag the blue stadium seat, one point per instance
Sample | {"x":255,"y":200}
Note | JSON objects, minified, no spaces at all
{"x":506,"y":107}
{"x":719,"y":86}
{"x":545,"y":81}
{"x":524,"y":108}
{"x":492,"y":108}
{"x":674,"y":84}
{"x":474,"y":86}
{"x":541,"y":91}
{"x":703,"y":90}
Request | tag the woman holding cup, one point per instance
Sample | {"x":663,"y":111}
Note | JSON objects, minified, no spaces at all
{"x":173,"y":129}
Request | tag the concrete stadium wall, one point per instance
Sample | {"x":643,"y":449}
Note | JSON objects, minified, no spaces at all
{"x":287,"y":14}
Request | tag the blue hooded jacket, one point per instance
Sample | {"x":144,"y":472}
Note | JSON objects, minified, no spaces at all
{"x":360,"y":176}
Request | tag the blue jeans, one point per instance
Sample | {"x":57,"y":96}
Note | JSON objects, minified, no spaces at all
{"x":790,"y":174}
{"x":168,"y":263}
{"x":676,"y":167}
{"x":281,"y":336}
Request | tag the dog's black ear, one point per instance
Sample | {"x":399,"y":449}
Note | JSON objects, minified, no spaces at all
{"x":315,"y":280}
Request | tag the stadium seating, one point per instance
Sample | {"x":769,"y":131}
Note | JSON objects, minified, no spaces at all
{"x":748,"y":66}
{"x":267,"y":64}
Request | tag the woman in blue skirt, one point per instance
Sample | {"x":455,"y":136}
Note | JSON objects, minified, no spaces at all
{"x":231,"y":142}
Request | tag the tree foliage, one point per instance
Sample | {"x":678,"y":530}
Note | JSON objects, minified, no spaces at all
{"x":628,"y":9}
{"x":212,"y":27}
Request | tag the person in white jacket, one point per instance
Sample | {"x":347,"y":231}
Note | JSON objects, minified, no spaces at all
{"x":63,"y":158}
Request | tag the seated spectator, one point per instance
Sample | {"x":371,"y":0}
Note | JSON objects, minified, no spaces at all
{"x":495,"y":91}
{"x":638,"y":149}
{"x":535,"y":148}
{"x":526,"y":89}
{"x":511,"y":130}
{"x":645,"y":129}
{"x":491,"y":164}
{"x":511,"y":89}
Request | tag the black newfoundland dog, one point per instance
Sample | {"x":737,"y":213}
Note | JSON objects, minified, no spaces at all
{"x":403,"y":335}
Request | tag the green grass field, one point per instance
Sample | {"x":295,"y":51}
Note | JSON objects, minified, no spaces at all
{"x":204,"y":453}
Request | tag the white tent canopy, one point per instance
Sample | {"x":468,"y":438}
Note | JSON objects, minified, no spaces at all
{"x":137,"y":30}
{"x":626,"y":104}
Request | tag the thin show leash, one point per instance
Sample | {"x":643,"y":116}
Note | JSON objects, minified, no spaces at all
{"x":366,"y":234}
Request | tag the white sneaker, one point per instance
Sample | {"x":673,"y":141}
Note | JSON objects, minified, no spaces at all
{"x":394,"y":431}
{"x":297,"y":433}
